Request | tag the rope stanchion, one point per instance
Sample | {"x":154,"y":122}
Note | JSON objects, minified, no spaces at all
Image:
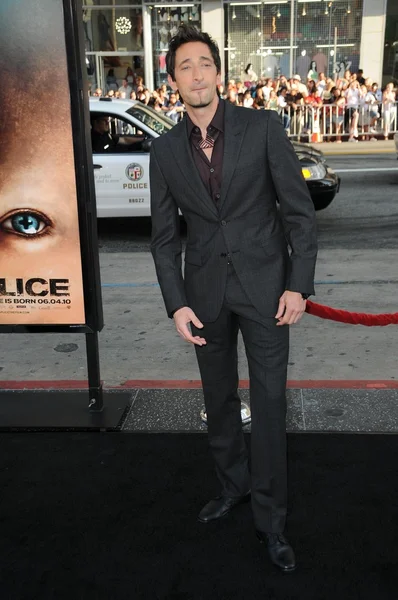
{"x":353,"y":318}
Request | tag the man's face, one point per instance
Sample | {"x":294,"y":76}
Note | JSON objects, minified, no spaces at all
{"x":195,"y":74}
{"x":101,"y":125}
{"x":172,"y":99}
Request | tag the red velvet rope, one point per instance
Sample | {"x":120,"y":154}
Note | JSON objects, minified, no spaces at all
{"x":345,"y":316}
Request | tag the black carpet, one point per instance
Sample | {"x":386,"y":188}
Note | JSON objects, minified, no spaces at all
{"x":111,"y":515}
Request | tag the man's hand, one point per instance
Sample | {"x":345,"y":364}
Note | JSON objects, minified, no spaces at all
{"x":291,"y":308}
{"x":182,"y":317}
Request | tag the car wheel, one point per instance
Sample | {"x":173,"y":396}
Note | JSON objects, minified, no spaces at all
{"x":322,"y":201}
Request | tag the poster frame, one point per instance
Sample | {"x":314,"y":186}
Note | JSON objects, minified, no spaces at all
{"x":84,"y":177}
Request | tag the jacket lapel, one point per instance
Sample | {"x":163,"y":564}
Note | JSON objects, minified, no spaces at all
{"x":235,"y":127}
{"x":183,"y":157}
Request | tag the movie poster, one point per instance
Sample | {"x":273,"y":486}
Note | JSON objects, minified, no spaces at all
{"x":40,"y":260}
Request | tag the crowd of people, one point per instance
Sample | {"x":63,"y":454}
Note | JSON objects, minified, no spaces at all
{"x":353,"y":106}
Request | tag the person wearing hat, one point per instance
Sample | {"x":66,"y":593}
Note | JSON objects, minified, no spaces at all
{"x":301,"y":87}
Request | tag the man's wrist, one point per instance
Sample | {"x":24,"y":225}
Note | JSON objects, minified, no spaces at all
{"x":175,"y":310}
{"x":302,"y":294}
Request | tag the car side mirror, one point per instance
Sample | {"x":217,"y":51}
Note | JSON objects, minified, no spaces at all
{"x":146,"y":145}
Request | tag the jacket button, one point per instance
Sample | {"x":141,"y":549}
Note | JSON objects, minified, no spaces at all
{"x":223,"y":223}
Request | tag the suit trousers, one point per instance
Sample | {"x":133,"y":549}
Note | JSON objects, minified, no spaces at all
{"x":267,"y":349}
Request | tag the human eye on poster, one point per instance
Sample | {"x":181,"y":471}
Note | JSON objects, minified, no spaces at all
{"x":40,"y":257}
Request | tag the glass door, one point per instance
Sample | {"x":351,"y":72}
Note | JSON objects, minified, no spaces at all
{"x":114,"y":42}
{"x":116,"y":71}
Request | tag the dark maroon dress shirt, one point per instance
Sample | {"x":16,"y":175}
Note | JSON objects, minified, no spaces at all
{"x":210,"y":171}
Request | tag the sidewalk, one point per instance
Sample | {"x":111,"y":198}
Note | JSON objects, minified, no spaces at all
{"x":341,"y":378}
{"x":350,"y":148}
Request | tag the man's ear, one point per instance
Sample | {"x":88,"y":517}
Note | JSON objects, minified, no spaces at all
{"x":172,"y":83}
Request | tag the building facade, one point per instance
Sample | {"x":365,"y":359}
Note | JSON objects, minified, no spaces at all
{"x":125,"y":38}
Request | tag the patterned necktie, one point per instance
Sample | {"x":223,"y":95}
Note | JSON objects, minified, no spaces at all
{"x":207,"y":143}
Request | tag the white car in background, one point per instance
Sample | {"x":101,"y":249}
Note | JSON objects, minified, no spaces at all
{"x":122,"y":173}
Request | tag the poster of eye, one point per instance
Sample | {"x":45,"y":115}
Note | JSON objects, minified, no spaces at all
{"x":40,"y":256}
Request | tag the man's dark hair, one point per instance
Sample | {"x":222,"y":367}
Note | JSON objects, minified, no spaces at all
{"x":185,"y":34}
{"x":98,"y":116}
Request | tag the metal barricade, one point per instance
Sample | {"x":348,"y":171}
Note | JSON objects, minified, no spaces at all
{"x":332,"y":122}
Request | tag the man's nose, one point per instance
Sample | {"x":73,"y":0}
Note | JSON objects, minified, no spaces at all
{"x":197,"y":74}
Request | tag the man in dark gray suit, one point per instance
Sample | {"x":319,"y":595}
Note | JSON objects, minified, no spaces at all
{"x":226,"y":168}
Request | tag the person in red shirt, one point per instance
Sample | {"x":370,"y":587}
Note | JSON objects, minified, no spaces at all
{"x":312,"y":102}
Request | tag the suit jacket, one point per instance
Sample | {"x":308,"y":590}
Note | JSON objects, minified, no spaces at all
{"x":260,"y":169}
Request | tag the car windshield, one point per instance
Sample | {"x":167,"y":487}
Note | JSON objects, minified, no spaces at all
{"x":149,"y":117}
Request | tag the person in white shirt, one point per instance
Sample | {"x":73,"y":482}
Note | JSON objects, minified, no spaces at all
{"x":125,"y":88}
{"x":389,"y":109}
{"x":321,"y":83}
{"x":283,"y":108}
{"x":267,"y":89}
{"x":247,"y":99}
{"x":374,"y":106}
{"x":298,"y":85}
{"x":352,"y":106}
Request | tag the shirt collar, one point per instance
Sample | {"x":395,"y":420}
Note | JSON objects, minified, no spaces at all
{"x":217,"y":121}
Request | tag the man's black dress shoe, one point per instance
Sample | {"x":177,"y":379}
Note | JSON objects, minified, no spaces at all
{"x":219,"y":507}
{"x":279,"y":550}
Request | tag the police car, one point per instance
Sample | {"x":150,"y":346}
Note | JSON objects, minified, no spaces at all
{"x":122,"y":131}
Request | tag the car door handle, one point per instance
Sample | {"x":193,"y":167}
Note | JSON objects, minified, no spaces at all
{"x":97,"y":166}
